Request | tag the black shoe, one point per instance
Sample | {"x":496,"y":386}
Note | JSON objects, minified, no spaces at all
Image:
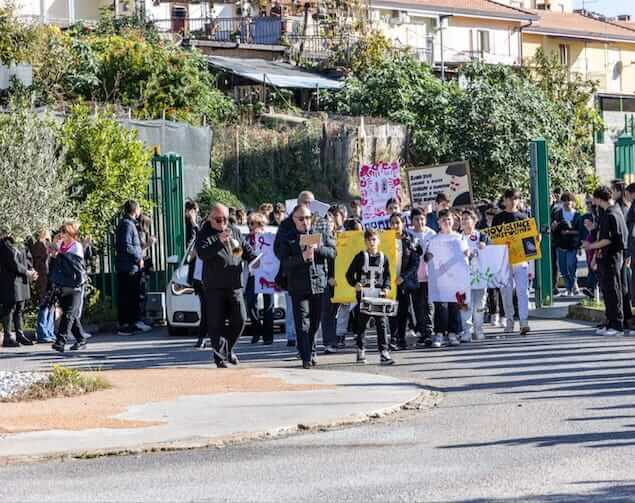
{"x":218,"y":360}
{"x":232,"y":358}
{"x":78,"y":345}
{"x":314,"y":360}
{"x":268,"y":342}
{"x":588,"y":293}
{"x":58,"y":346}
{"x":290,"y":344}
{"x":9,"y":342}
{"x":306,"y":365}
{"x":255,"y":339}
{"x":23,"y":339}
{"x":341,"y":342}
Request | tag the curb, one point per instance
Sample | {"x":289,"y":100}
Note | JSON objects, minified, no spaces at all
{"x":426,"y":399}
{"x":583,"y":313}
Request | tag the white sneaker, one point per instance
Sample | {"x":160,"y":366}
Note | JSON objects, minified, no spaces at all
{"x":495,"y":321}
{"x":437,"y":341}
{"x":479,"y":336}
{"x":611,"y":332}
{"x":361,"y":356}
{"x":140,"y":325}
{"x":465,"y":337}
{"x":452,"y":340}
{"x":330,"y":350}
{"x":601,"y":331}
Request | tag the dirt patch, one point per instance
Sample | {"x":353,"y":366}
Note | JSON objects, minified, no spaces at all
{"x":134,"y":387}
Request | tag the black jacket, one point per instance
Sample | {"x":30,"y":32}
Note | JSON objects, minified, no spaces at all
{"x":222,"y":269}
{"x":14,"y":265}
{"x":355,"y":273}
{"x":567,"y":241}
{"x":409,"y":265}
{"x":304,"y":278}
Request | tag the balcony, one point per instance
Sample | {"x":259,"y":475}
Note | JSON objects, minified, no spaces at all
{"x":262,"y":30}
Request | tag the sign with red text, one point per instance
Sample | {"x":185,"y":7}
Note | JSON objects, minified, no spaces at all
{"x":377,"y":184}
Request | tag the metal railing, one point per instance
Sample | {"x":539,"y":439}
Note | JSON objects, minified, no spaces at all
{"x":260,"y":30}
{"x":318,"y":48}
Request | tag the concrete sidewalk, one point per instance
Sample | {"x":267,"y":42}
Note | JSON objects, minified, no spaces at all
{"x":298,"y":400}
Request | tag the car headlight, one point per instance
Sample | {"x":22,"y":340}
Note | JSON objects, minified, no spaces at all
{"x":180,"y":289}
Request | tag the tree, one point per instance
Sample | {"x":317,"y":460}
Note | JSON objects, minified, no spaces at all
{"x":109,"y":166}
{"x":34,"y":184}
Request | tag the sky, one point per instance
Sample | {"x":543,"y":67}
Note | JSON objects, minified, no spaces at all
{"x":609,"y":7}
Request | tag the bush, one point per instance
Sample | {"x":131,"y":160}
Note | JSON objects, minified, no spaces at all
{"x":109,"y":167}
{"x":211,"y":195}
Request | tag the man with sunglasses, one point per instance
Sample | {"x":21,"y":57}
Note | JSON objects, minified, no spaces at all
{"x":223,"y":250}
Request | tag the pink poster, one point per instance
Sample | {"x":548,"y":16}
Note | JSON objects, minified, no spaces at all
{"x":378,"y":183}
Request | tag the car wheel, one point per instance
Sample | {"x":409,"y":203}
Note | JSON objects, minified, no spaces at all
{"x":176,"y":331}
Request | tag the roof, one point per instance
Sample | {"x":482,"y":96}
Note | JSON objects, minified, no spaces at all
{"x":273,"y":73}
{"x":574,"y":25}
{"x":474,"y":8}
{"x":629,"y":25}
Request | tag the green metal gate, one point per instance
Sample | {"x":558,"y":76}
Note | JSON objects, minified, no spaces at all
{"x":625,"y":158}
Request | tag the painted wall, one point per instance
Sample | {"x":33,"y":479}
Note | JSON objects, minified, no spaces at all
{"x":612,"y":64}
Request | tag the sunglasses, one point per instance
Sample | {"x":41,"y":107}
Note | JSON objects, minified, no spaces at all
{"x":220,"y":220}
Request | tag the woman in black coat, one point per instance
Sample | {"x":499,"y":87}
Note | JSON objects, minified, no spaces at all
{"x":15,"y":272}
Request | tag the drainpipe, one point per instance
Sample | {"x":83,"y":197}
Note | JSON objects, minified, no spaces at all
{"x":442,"y":18}
{"x":520,"y":39}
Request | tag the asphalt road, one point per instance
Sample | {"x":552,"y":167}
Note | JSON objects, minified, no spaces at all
{"x":547,"y":418}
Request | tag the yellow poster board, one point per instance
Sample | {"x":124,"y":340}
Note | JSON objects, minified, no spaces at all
{"x":520,"y":237}
{"x":349,"y":244}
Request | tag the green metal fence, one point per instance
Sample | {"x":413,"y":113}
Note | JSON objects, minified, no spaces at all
{"x":625,"y":157}
{"x":165,"y":193}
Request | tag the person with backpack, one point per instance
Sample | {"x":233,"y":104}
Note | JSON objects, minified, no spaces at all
{"x":68,"y":277}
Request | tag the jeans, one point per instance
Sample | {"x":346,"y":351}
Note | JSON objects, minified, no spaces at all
{"x":568,"y":264}
{"x":520,"y":281}
{"x":307,"y":310}
{"x":472,"y":317}
{"x":609,"y":270}
{"x":262,"y":328}
{"x":329,"y":320}
{"x":343,"y":318}
{"x":45,"y":326}
{"x":289,"y":319}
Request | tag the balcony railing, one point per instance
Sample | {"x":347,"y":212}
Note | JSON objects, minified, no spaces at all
{"x":261,"y":30}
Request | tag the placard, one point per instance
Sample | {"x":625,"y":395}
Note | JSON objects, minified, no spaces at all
{"x":265,"y":273}
{"x":383,"y":223}
{"x":349,"y":244}
{"x":489,"y":268}
{"x":448,"y":269}
{"x":453,"y":179}
{"x":377,"y":184}
{"x":310,"y":239}
{"x":316,"y":207}
{"x":521,"y":238}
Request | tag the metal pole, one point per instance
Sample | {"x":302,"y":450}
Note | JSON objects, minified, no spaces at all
{"x":441,"y":20}
{"x":541,"y":210}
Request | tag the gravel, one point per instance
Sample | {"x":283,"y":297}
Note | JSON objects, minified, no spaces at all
{"x":12,"y":382}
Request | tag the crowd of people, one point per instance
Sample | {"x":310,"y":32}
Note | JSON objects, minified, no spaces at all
{"x":220,"y":254}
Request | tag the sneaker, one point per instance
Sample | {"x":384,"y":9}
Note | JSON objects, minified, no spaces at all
{"x":465,"y":338}
{"x":600,"y":331}
{"x":452,"y":340}
{"x":361,"y":356}
{"x":611,"y":332}
{"x":58,"y":346}
{"x":588,"y":293}
{"x":576,"y":292}
{"x":524,"y":328}
{"x":314,"y":360}
{"x":495,"y":320}
{"x":232,"y":358}
{"x":437,"y":341}
{"x":218,"y":359}
{"x":127,"y":331}
{"x":330,"y":350}
{"x":480,"y":336}
{"x":78,"y":345}
{"x":341,"y":342}
{"x":140,"y":325}
{"x":509,"y":327}
{"x":385,"y":359}
{"x":421,"y":342}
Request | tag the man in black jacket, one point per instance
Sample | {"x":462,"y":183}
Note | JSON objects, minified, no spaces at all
{"x":305,"y":267}
{"x":223,"y":249}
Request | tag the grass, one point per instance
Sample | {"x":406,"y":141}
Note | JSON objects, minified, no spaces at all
{"x":61,"y":382}
{"x":591,"y":304}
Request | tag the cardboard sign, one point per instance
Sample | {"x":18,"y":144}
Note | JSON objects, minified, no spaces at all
{"x":310,"y":239}
{"x":452,"y":179}
{"x":384,"y":222}
{"x":316,"y":207}
{"x":349,"y":244}
{"x":521,"y":238}
{"x":268,"y":265}
{"x":377,"y":184}
{"x":489,"y":268}
{"x":448,"y":269}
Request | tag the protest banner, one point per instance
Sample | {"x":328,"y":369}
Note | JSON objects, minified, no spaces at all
{"x":489,"y":268}
{"x":448,"y":270}
{"x":521,"y":238}
{"x":349,"y":244}
{"x":453,"y":179}
{"x":265,"y":273}
{"x":384,"y":222}
{"x":377,"y":184}
{"x":316,"y":207}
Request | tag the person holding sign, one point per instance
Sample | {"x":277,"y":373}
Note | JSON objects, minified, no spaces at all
{"x":519,"y":272}
{"x":303,"y":257}
{"x":370,"y":270}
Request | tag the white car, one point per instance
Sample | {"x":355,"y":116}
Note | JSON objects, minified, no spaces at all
{"x":183,"y":307}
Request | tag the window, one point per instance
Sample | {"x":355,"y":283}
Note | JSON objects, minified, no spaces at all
{"x":482,"y":41}
{"x":564,"y":54}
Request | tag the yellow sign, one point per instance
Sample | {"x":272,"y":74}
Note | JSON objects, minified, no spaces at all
{"x":349,"y":244}
{"x":521,"y":238}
